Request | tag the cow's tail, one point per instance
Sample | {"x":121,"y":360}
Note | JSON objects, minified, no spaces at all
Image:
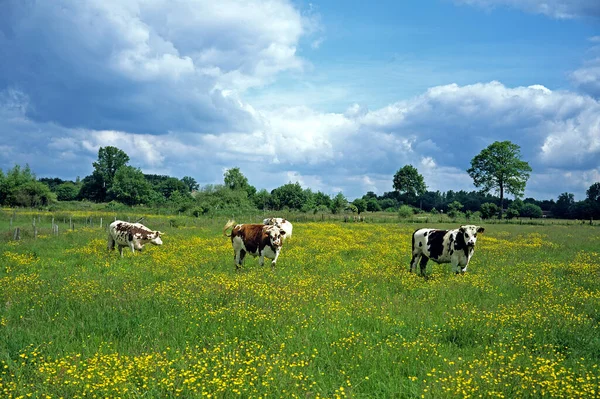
{"x":228,"y":225}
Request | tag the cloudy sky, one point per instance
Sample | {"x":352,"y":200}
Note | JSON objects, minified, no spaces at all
{"x":335,"y":95}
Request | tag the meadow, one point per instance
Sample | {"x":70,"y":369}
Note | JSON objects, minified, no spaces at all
{"x":339,"y":317}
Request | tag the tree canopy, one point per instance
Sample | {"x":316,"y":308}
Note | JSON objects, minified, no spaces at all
{"x":408,"y":181}
{"x":499,"y":167}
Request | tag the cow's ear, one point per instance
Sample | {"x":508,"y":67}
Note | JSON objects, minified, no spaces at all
{"x":480,"y":230}
{"x":160,"y":233}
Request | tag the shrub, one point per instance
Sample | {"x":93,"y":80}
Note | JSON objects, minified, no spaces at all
{"x":512,"y":213}
{"x":405,"y":211}
{"x":531,"y":210}
{"x":488,"y":210}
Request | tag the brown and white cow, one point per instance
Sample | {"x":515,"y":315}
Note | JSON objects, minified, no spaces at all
{"x":264,"y":241}
{"x":132,"y":235}
{"x":282,"y":223}
{"x":444,"y":246}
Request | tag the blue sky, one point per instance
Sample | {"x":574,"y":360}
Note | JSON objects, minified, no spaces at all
{"x":335,"y":95}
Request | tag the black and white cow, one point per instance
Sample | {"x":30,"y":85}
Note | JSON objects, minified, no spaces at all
{"x":260,"y":240}
{"x":444,"y":246}
{"x":132,"y":235}
{"x":282,"y":223}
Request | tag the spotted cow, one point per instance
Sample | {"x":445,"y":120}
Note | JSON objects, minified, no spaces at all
{"x":132,"y":235}
{"x":444,"y":246}
{"x":282,"y":223}
{"x":264,"y":241}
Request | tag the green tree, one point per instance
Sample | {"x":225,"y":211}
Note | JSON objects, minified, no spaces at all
{"x":67,"y":191}
{"x":564,"y":205}
{"x":262,"y":199}
{"x":339,"y":203}
{"x":488,"y":210}
{"x":322,"y":199}
{"x":169,"y":185}
{"x":531,"y":211}
{"x":373,"y":205}
{"x":130,"y":186}
{"x":499,"y":167}
{"x":360,"y":204}
{"x":409,"y":182}
{"x":32,"y":194}
{"x":190,"y":183}
{"x":110,"y":159}
{"x":593,"y":193}
{"x":454,"y":209}
{"x":289,"y":195}
{"x":235,"y":180}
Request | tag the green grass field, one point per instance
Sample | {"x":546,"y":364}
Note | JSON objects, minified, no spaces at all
{"x":340,"y":316}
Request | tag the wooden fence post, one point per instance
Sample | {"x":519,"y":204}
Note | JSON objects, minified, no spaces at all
{"x":17,"y":235}
{"x":34,"y":232}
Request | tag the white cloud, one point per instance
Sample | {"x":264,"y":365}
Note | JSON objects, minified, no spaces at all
{"x":438,"y":132}
{"x":147,"y":66}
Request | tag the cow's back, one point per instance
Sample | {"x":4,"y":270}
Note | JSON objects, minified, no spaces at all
{"x":430,"y":242}
{"x":251,"y":235}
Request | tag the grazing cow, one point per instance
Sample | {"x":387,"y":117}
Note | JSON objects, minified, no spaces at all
{"x":282,"y":223}
{"x":132,"y":235}
{"x":260,"y":240}
{"x":444,"y":246}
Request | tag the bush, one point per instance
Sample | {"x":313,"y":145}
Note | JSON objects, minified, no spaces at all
{"x":488,"y":210}
{"x":405,"y":211}
{"x":531,"y":211}
{"x":512,"y":213}
{"x":199,"y":211}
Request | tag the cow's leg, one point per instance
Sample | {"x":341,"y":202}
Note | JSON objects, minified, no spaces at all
{"x":455,"y":266}
{"x":464,"y":269}
{"x":132,"y":246}
{"x":261,"y":260}
{"x":121,"y":250}
{"x":111,"y":243}
{"x":237,"y":258}
{"x":414,"y":261}
{"x":423,"y":264}
{"x":275,"y":259}
{"x":242,"y":256}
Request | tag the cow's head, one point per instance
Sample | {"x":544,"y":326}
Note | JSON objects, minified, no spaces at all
{"x":275,"y":235}
{"x":469,"y":233}
{"x":154,"y":237}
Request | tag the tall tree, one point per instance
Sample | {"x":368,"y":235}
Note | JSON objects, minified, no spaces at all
{"x":191,"y":183}
{"x":564,"y":205}
{"x":235,"y":180}
{"x":499,"y":167}
{"x":593,"y":193}
{"x":409,"y":182}
{"x":110,"y":159}
{"x":130,"y":186}
{"x":338,"y":203}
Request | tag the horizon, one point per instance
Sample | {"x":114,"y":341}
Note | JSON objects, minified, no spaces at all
{"x":337,"y":97}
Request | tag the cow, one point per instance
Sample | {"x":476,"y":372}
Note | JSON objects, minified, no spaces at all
{"x":282,"y":223}
{"x":264,"y":241}
{"x":132,"y":235}
{"x":444,"y":246}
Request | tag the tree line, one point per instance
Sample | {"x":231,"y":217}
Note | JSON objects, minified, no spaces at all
{"x":497,"y":169}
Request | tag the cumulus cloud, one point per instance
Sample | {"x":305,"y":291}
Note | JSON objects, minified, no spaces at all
{"x":561,"y":9}
{"x":587,"y":77}
{"x":438,"y":132}
{"x":143,"y":66}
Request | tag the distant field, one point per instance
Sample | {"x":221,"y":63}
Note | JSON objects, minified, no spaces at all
{"x":339,"y":317}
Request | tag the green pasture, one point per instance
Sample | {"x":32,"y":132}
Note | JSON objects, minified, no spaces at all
{"x":340,"y":316}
